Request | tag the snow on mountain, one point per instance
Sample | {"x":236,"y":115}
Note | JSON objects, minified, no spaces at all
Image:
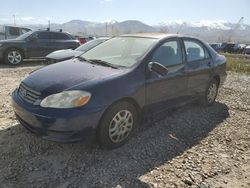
{"x":219,"y":24}
{"x":209,"y":30}
{"x":209,"y":24}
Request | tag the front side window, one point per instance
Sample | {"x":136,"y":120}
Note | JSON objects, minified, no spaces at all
{"x":24,"y":30}
{"x":168,"y":54}
{"x":25,"y":35}
{"x":121,"y":51}
{"x":195,"y":51}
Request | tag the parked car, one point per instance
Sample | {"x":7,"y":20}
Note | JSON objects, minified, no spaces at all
{"x":229,"y":47}
{"x":62,"y":55}
{"x":11,"y":32}
{"x":233,"y":48}
{"x":247,"y":50}
{"x":216,"y":46}
{"x":105,"y":91}
{"x":239,"y":48}
{"x":85,"y":39}
{"x":35,"y":44}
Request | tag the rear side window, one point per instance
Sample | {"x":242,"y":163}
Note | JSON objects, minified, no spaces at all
{"x":59,"y":36}
{"x":42,"y":35}
{"x":168,"y":54}
{"x":195,"y":51}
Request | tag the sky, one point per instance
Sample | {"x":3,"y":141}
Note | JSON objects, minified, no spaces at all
{"x":150,"y":12}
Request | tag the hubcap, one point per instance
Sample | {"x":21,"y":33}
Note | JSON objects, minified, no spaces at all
{"x":120,"y":126}
{"x":14,"y":57}
{"x":211,"y":93}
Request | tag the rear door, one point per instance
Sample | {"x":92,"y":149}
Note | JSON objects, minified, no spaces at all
{"x":59,"y":41}
{"x":169,"y":90}
{"x":198,"y":65}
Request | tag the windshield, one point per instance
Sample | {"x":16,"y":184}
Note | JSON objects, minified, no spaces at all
{"x":120,"y":51}
{"x":89,"y":45}
{"x":24,"y":36}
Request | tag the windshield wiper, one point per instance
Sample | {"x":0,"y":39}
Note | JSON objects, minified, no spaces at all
{"x":83,"y":59}
{"x":104,"y":63}
{"x":96,"y":61}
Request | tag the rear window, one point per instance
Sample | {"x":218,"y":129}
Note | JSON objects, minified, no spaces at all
{"x":59,"y":36}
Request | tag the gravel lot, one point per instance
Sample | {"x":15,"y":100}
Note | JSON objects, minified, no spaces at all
{"x":189,"y":147}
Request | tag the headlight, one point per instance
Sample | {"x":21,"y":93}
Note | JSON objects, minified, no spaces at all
{"x":66,"y":99}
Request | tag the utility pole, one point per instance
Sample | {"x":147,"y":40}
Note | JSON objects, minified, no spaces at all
{"x":14,"y":19}
{"x":234,"y":29}
{"x":106,"y":29}
{"x":49,"y":24}
{"x":113,"y":30}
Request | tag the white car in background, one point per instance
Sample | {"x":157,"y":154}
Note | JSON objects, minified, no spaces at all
{"x":62,"y":55}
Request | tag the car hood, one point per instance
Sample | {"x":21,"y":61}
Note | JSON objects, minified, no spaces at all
{"x":63,"y":54}
{"x":67,"y":74}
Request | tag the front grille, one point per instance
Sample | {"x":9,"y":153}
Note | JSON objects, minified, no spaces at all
{"x":27,"y":94}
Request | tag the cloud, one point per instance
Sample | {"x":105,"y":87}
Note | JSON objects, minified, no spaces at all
{"x":28,"y":19}
{"x":213,"y":24}
{"x":31,"y":20}
{"x":105,"y":1}
{"x":24,"y":20}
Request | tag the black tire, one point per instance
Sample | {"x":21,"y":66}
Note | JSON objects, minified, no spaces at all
{"x":107,"y":121}
{"x":17,"y":56}
{"x":206,"y":99}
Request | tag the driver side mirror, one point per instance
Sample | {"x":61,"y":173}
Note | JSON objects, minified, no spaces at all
{"x":157,"y":68}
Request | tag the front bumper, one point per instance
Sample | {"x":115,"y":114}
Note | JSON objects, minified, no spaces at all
{"x":67,"y":125}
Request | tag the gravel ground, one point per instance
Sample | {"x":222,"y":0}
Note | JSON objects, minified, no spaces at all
{"x":189,"y":147}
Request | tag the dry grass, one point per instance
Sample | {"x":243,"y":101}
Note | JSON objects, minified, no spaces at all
{"x":238,"y":63}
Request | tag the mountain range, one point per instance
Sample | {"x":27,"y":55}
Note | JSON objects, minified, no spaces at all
{"x":211,"y":31}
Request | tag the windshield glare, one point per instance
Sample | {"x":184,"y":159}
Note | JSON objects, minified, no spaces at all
{"x":121,"y":51}
{"x":91,"y":44}
{"x":25,"y":35}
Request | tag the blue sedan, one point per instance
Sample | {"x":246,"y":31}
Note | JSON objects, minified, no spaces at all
{"x":105,"y":91}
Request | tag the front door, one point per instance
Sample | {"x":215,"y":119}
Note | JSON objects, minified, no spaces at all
{"x":169,"y":90}
{"x":37,"y":46}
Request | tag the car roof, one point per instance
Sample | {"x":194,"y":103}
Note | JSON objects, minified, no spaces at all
{"x":157,"y":35}
{"x":50,"y":31}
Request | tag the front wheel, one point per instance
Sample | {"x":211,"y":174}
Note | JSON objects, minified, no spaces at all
{"x":13,"y":57}
{"x":117,"y":125}
{"x":210,"y":94}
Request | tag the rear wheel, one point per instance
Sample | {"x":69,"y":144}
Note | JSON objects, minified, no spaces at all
{"x":210,"y":94}
{"x":117,"y":125}
{"x":13,"y":57}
